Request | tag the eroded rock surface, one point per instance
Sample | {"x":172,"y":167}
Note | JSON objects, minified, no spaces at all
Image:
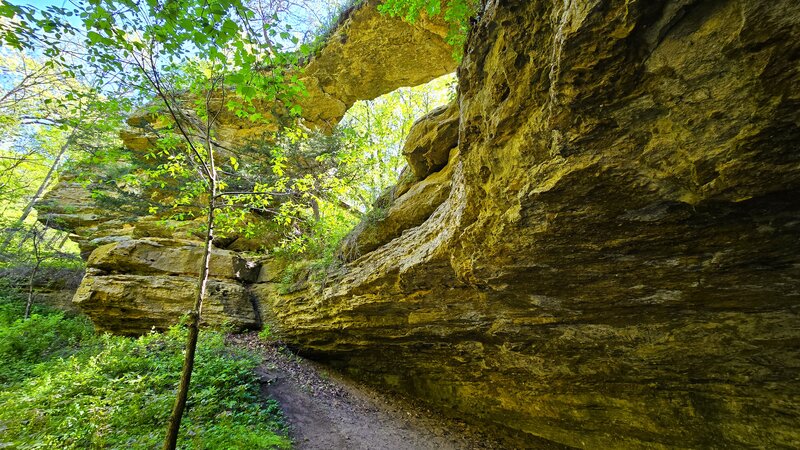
{"x":617,"y":263}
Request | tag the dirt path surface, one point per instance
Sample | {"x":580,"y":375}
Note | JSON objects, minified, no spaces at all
{"x":327,"y":411}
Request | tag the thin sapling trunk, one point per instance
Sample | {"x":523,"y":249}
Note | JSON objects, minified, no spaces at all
{"x":170,"y":442}
{"x":209,"y":169}
{"x":31,"y":278}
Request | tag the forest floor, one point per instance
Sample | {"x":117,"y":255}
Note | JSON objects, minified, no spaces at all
{"x":325,"y":410}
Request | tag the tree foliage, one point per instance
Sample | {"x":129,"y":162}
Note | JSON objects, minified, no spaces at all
{"x":48,"y":117}
{"x":172,"y":50}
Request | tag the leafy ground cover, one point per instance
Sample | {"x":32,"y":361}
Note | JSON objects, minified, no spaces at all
{"x":62,"y":386}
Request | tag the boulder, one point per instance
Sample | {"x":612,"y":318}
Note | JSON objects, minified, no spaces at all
{"x":171,"y":257}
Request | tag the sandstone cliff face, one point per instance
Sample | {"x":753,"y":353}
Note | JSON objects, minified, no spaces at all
{"x":617,"y":261}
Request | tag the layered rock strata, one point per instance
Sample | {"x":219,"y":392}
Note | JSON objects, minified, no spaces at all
{"x":617,"y":261}
{"x":134,"y":285}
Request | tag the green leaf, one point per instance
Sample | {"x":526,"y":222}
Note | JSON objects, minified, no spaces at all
{"x":248,"y":92}
{"x":229,"y":26}
{"x":94,"y":37}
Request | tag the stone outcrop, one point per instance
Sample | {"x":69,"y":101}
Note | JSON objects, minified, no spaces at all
{"x":134,"y":304}
{"x":134,"y":285}
{"x":169,"y":257}
{"x":617,"y":262}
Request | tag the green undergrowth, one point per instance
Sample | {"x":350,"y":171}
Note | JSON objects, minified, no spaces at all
{"x":64,"y":387}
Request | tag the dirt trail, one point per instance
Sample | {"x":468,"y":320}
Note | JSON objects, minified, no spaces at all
{"x":327,"y":411}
